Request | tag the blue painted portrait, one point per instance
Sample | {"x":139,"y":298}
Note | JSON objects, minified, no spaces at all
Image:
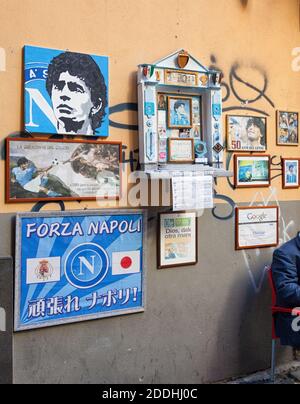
{"x":180,"y":112}
{"x":65,"y":92}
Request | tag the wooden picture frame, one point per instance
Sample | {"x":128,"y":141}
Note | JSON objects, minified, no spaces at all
{"x":180,"y":217}
{"x":180,"y":112}
{"x":265,"y":219}
{"x":47,"y":170}
{"x":254,"y":128}
{"x":286,"y":131}
{"x":175,"y":157}
{"x":245,"y":179}
{"x":285,"y":179}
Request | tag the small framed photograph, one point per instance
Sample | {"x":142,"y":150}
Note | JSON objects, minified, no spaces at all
{"x":246,"y":133}
{"x":177,"y":240}
{"x":252,"y":171}
{"x":64,"y":170}
{"x":257,"y":227}
{"x":181,"y":150}
{"x":291,"y":173}
{"x":180,"y":113}
{"x":287,"y":128}
{"x":162,"y":102}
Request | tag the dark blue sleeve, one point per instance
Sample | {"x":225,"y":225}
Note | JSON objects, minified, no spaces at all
{"x":285,"y":275}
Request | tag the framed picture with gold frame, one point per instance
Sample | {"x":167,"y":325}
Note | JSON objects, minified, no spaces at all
{"x":181,"y":150}
{"x":180,"y":112}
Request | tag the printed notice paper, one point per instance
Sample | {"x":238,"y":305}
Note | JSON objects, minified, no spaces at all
{"x":192,"y":192}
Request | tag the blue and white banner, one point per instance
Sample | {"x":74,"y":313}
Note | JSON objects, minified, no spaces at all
{"x":78,"y":266}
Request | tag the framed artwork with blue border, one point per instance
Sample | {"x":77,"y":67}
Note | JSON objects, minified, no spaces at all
{"x":65,"y":92}
{"x":78,"y":266}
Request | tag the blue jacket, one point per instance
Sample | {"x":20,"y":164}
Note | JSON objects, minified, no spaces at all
{"x":286,"y":275}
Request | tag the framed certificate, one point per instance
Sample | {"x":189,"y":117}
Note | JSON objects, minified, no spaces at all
{"x":177,"y":240}
{"x":181,"y":150}
{"x":257,"y":227}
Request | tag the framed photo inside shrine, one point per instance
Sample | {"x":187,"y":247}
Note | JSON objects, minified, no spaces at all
{"x":180,"y":112}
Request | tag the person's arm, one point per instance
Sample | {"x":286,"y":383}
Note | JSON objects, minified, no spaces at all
{"x":285,"y":275}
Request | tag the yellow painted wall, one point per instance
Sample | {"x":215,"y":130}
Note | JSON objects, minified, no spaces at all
{"x":259,"y":37}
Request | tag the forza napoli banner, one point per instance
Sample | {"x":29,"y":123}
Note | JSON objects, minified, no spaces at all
{"x":78,"y":266}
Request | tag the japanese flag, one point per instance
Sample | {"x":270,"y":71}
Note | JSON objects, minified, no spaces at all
{"x":127,"y":262}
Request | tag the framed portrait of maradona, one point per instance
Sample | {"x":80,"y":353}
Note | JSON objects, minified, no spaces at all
{"x":62,"y":170}
{"x":65,"y":92}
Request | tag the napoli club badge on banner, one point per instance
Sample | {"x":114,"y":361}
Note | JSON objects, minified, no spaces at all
{"x":65,"y":92}
{"x":78,"y":266}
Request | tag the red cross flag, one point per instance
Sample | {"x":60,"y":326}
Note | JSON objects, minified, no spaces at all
{"x":127,"y":262}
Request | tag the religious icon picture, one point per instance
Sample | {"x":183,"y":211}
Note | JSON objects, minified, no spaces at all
{"x":66,"y":92}
{"x":291,"y":173}
{"x":287,"y":128}
{"x":162,"y":102}
{"x":251,"y":171}
{"x":180,"y":112}
{"x":246,"y":133}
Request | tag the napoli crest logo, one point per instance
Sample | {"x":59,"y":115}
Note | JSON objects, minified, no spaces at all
{"x":86,"y":266}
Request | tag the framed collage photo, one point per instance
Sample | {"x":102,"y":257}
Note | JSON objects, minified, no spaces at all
{"x":65,"y":170}
{"x":252,"y":171}
{"x":246,"y":133}
{"x":177,"y":240}
{"x":181,"y":151}
{"x":180,"y":112}
{"x":291,"y":173}
{"x":287,"y":128}
{"x":257,"y":227}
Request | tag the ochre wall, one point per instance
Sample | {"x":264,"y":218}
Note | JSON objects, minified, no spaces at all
{"x":253,"y":42}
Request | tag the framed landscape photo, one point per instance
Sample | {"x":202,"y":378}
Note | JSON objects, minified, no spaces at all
{"x":180,"y":112}
{"x":257,"y":227}
{"x":252,"y":171}
{"x":246,"y":133}
{"x":181,"y":150}
{"x":177,"y":240}
{"x":51,"y":170}
{"x":291,"y":173}
{"x":287,"y":128}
